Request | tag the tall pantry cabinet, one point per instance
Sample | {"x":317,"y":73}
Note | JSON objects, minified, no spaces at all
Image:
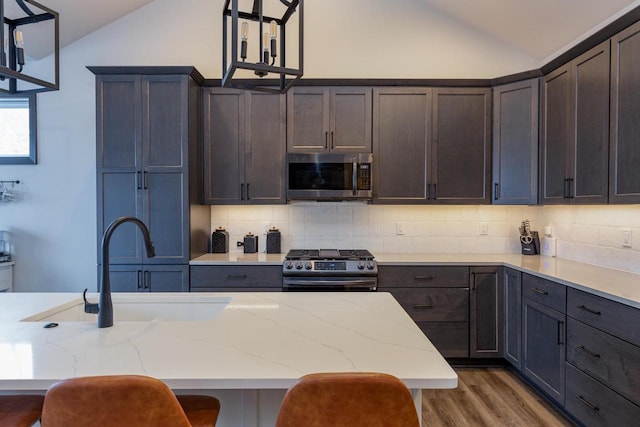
{"x":148,"y":166}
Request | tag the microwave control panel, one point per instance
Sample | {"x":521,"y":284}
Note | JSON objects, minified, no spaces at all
{"x":364,"y":176}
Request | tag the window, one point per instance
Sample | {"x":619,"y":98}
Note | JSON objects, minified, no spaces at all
{"x":18,"y":129}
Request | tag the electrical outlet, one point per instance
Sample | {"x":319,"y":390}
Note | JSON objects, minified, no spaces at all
{"x":484,"y":228}
{"x":626,"y":238}
{"x":399,"y":228}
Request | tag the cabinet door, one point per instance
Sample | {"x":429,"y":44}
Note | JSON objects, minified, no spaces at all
{"x":624,"y":178}
{"x":119,"y":162}
{"x":543,"y":332}
{"x":461,"y":146}
{"x":590,"y":145}
{"x":166,"y":278}
{"x":513,"y":317}
{"x":486,"y":312}
{"x":350,"y":119}
{"x":557,"y":125}
{"x":307,"y":119}
{"x":125,"y":278}
{"x":515,"y":143}
{"x":265,"y":148}
{"x":401,"y":126}
{"x":224,"y":133}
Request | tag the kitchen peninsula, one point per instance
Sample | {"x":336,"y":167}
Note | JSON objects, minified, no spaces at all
{"x":247,"y":356}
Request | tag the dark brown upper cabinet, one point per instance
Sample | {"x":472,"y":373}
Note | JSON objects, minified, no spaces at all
{"x":624,"y":181}
{"x":515,"y":143}
{"x":244,"y":147}
{"x":575,"y":130}
{"x":461,"y":149}
{"x":322,"y":119}
{"x":401,"y":142}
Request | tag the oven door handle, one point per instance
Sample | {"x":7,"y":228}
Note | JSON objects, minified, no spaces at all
{"x":354,"y":178}
{"x":370,"y":283}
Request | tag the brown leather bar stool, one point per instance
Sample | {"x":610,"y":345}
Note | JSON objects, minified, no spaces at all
{"x":348,"y":400}
{"x":20,"y":410}
{"x":124,"y":400}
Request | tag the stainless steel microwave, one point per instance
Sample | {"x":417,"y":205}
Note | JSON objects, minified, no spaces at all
{"x":329,"y":176}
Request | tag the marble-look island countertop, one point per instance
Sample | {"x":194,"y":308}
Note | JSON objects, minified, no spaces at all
{"x":258,"y":341}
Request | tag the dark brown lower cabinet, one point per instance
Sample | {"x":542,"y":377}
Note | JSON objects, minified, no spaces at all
{"x":148,"y":278}
{"x":543,"y":335}
{"x":486,"y":333}
{"x":513,"y":317}
{"x":594,"y":404}
{"x":236,"y":278}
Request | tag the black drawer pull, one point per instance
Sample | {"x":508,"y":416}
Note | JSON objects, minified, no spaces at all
{"x":589,"y":352}
{"x":586,"y":402}
{"x":422,"y":306}
{"x":422,"y":277}
{"x":587,"y":309}
{"x":236,"y":276}
{"x":539,"y":291}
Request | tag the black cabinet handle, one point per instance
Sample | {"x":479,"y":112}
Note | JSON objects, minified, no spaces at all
{"x":145,"y":180}
{"x":589,"y":310}
{"x":139,"y":279}
{"x":435,"y":191}
{"x":248,"y":191}
{"x":139,"y":180}
{"x":242,"y":191}
{"x":429,"y":191}
{"x":332,"y":145}
{"x":326,"y":140}
{"x":539,"y":291}
{"x":586,"y":402}
{"x":147,"y":279}
{"x":565,"y":193}
{"x":570,"y":180}
{"x":495,"y":191}
{"x":426,"y":278}
{"x":560,"y":333}
{"x":589,"y":352}
{"x":422,"y":306}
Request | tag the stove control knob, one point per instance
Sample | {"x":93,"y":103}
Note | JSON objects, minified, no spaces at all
{"x":298,"y":266}
{"x":370,"y":266}
{"x":288,"y":265}
{"x":360,"y":265}
{"x":307,"y":265}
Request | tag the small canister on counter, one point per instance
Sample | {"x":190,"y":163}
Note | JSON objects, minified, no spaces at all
{"x":220,"y":241}
{"x":273,"y":241}
{"x":250,"y":244}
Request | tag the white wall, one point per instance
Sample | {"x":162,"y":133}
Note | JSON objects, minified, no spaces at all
{"x":54,"y":226}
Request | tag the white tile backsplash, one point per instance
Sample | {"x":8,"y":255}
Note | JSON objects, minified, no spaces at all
{"x":590,"y":234}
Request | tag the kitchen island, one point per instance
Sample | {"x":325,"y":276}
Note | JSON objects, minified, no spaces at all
{"x":247,"y":355}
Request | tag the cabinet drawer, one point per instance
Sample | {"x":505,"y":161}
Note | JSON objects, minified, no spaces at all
{"x":450,"y":338}
{"x":611,"y":360}
{"x":594,"y":404}
{"x":6,"y":277}
{"x":231,"y":277}
{"x":423,"y":276}
{"x":545,"y":292}
{"x":610,"y":316}
{"x":433,"y":304}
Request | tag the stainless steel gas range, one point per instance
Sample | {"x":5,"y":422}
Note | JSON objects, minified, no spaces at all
{"x":334,"y":270}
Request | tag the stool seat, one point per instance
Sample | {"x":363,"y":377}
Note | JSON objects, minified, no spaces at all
{"x":124,"y":400}
{"x":349,"y":399}
{"x":20,"y":410}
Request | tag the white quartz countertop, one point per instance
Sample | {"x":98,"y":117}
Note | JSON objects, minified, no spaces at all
{"x":259,"y":341}
{"x":620,"y":286}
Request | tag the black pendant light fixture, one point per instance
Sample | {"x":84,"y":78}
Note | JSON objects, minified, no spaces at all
{"x":255,"y":40}
{"x":22,"y":19}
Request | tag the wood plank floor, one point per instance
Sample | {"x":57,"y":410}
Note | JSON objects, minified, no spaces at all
{"x":488,"y":397}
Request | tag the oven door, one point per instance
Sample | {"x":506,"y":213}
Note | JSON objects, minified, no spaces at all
{"x":329,"y":284}
{"x":328,"y":176}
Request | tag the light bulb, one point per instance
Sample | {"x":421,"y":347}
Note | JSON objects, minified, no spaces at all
{"x":273,"y":29}
{"x":244,"y":31}
{"x":265,"y":42}
{"x":19,"y":39}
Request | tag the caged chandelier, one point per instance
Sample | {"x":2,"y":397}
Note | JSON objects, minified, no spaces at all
{"x":20,"y":17}
{"x":263,"y":53}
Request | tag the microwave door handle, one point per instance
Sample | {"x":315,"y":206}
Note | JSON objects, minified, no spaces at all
{"x":354,"y":178}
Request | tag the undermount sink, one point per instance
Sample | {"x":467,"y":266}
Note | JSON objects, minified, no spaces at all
{"x":141,"y":308}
